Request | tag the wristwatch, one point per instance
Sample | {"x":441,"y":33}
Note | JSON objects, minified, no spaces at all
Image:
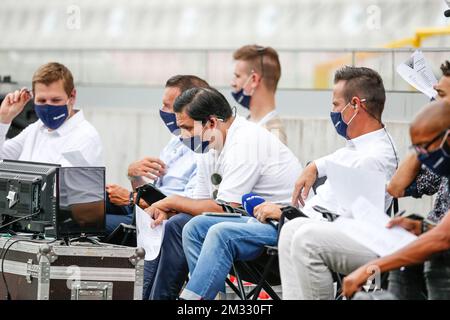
{"x":425,"y":226}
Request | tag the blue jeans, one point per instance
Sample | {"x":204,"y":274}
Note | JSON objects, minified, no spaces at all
{"x":115,"y":215}
{"x":150,"y":268}
{"x":164,"y":277}
{"x":211,"y":244}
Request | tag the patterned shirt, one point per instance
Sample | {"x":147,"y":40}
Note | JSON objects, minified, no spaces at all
{"x":429,"y":183}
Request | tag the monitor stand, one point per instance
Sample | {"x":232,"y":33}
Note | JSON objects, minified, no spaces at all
{"x":82,"y":239}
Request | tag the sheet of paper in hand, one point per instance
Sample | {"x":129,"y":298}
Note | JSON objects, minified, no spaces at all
{"x":147,"y":237}
{"x":418,"y":73}
{"x":368,"y":227}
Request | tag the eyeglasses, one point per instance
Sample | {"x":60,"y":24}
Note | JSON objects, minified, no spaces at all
{"x":423,"y":147}
{"x":261,"y":51}
{"x":216,"y":179}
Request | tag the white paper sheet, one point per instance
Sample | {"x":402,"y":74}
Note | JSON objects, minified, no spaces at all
{"x":148,"y":238}
{"x":369,"y":229}
{"x":418,"y":73}
{"x":76,"y":158}
{"x":352,"y":183}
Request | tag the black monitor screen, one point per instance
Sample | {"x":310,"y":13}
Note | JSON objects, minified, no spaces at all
{"x":81,"y":201}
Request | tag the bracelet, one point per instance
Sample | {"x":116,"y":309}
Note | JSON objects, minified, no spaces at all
{"x":131,"y":198}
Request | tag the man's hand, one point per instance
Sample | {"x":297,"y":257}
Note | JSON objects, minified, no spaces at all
{"x":410,"y":225}
{"x":13,"y":104}
{"x":354,"y":281}
{"x":148,"y":167}
{"x":118,"y":195}
{"x":160,"y":211}
{"x":304,"y":184}
{"x":267,"y":210}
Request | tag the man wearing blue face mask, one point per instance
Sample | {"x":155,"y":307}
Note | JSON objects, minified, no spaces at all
{"x":310,"y":249}
{"x":430,"y":135}
{"x":61,"y":129}
{"x":240,"y":157}
{"x":174,"y":173}
{"x":257,"y":71}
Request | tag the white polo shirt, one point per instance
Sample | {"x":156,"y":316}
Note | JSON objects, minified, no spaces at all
{"x":36,"y":143}
{"x":252,"y":160}
{"x":372,"y":151}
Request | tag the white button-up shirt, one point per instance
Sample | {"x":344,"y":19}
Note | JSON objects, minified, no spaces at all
{"x":373,"y":151}
{"x":252,"y":160}
{"x":75,"y":143}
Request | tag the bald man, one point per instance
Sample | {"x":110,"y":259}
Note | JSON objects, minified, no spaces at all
{"x":412,"y":179}
{"x":430,"y":135}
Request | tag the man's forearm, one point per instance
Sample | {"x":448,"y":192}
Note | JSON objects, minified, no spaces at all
{"x":136,"y":182}
{"x":192,"y":206}
{"x":405,"y":175}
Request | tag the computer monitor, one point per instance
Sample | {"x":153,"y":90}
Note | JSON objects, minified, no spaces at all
{"x":28,"y":189}
{"x":81,"y":202}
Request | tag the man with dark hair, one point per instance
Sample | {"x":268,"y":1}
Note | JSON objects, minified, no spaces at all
{"x":430,"y":135}
{"x":443,"y":86}
{"x":311,"y":249}
{"x":257,"y":71}
{"x":173,"y":172}
{"x":240,"y":157}
{"x":364,"y":82}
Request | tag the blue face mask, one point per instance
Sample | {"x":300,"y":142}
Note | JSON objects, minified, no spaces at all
{"x":241,"y":97}
{"x":437,"y":161}
{"x":169,"y":120}
{"x":339,"y":123}
{"x":196,"y":144}
{"x":52,"y":116}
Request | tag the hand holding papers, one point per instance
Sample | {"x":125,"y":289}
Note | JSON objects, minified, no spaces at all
{"x":418,"y":73}
{"x":148,"y":238}
{"x":369,"y":229}
{"x":361,"y":197}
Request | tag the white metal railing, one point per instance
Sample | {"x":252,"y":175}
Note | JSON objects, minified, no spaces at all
{"x":301,"y":68}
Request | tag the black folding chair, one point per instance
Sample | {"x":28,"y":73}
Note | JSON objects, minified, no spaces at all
{"x":264,"y":271}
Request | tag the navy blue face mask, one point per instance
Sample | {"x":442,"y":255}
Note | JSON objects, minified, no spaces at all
{"x":438,"y":161}
{"x":170,"y":120}
{"x":339,"y":123}
{"x":241,"y":97}
{"x":52,"y":116}
{"x":196,"y":144}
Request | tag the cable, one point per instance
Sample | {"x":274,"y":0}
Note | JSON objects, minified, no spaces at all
{"x":3,"y":258}
{"x":18,"y":219}
{"x":392,"y":145}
